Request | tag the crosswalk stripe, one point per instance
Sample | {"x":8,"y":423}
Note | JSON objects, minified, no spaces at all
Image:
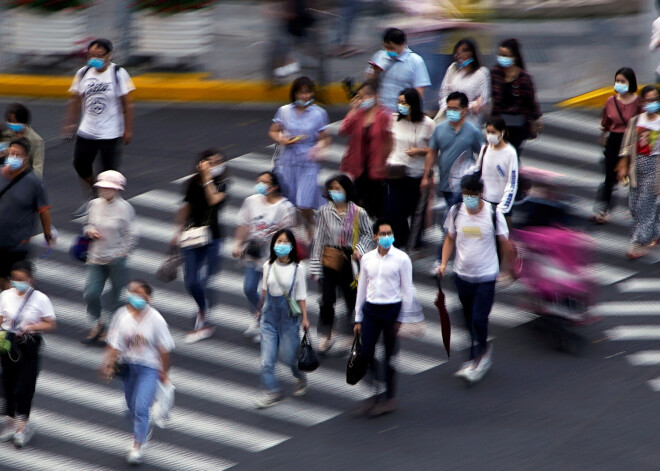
{"x":634,"y":332}
{"x":116,"y":442}
{"x":644,"y":358}
{"x":577,"y":151}
{"x":655,"y":384}
{"x":32,"y":459}
{"x":640,"y":285}
{"x":574,"y":121}
{"x":223,"y":431}
{"x":628,"y":308}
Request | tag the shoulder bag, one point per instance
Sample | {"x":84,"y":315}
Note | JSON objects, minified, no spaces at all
{"x":195,"y":237}
{"x":294,"y":307}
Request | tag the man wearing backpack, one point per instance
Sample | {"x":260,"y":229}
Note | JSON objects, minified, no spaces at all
{"x":101,"y":93}
{"x":475,"y":228}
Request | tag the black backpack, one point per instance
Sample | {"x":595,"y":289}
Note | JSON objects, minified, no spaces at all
{"x":115,"y":75}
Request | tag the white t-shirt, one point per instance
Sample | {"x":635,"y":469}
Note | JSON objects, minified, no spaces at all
{"x":500,"y":175}
{"x":285,"y":274}
{"x":407,"y":134}
{"x":140,"y":342}
{"x":476,"y":254}
{"x":38,"y":307}
{"x":102,"y":112}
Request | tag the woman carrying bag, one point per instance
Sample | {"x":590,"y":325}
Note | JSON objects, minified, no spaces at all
{"x":206,"y":194}
{"x":343,"y":234}
{"x":140,"y":340}
{"x":24,"y":314}
{"x":283,"y":310}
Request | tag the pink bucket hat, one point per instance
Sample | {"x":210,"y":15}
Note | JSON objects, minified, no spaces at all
{"x":110,"y":179}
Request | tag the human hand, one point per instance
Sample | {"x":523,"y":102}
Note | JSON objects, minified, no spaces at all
{"x":164,"y":376}
{"x":425,"y":183}
{"x":237,"y":250}
{"x":441,"y":270}
{"x":357,"y":256}
{"x":69,"y":131}
{"x":128,"y":137}
{"x":305,"y":324}
{"x":357,"y":329}
{"x":94,"y":234}
{"x":411,"y":152}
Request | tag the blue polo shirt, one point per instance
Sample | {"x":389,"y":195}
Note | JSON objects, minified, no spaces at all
{"x":450,"y":144}
{"x":405,"y":71}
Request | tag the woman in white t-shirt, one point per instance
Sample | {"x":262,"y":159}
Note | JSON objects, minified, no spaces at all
{"x":140,"y":337}
{"x":284,"y":278}
{"x":498,"y":162}
{"x":473,"y":229}
{"x":260,"y":216}
{"x":411,"y":131}
{"x":24,"y":314}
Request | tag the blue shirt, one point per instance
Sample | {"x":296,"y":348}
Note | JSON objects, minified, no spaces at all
{"x":450,"y":145}
{"x":408,"y":70}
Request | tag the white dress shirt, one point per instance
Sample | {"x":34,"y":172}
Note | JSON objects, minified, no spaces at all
{"x":385,"y":280}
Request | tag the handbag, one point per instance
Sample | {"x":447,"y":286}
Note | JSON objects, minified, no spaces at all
{"x":168,"y":270}
{"x":119,"y":369}
{"x":195,"y":237}
{"x":294,"y":307}
{"x":307,"y":359}
{"x":163,"y":403}
{"x":80,"y":248}
{"x":395,"y":171}
{"x":356,"y":367}
{"x":333,"y":258}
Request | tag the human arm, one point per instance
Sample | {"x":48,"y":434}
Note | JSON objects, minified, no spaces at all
{"x":655,"y":35}
{"x":44,"y":217}
{"x":605,"y":124}
{"x":366,"y":237}
{"x":239,"y":240}
{"x":110,"y":357}
{"x":165,"y":364}
{"x":506,"y":251}
{"x":305,"y":319}
{"x":37,"y":155}
{"x":213,"y":196}
{"x":511,"y":183}
{"x":407,"y":289}
{"x":627,"y":149}
{"x":72,"y":116}
{"x":45,"y":324}
{"x":127,"y":109}
{"x":131,"y":234}
{"x":361,"y":297}
{"x":320,"y":239}
{"x":431,"y":157}
{"x":447,"y":250}
{"x":482,"y":101}
{"x":180,"y":219}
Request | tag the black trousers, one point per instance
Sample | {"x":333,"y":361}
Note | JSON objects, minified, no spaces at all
{"x":331,"y":281}
{"x":20,"y":368}
{"x":517,"y":136}
{"x":402,"y":200}
{"x":381,"y":318}
{"x":371,"y":195}
{"x":85,"y":152}
{"x":612,"y":148}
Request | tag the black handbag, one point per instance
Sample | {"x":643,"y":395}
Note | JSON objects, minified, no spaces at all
{"x":357,"y":363}
{"x":307,"y":359}
{"x":119,"y":370}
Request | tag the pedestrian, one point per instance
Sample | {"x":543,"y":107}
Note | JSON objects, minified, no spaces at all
{"x":260,"y":216}
{"x":346,"y":13}
{"x":206,"y":194}
{"x":22,"y":196}
{"x":284,"y":281}
{"x":101,"y":93}
{"x":299,"y":130}
{"x":467,"y":75}
{"x":452,"y":145}
{"x":513,"y":95}
{"x":396,"y":67}
{"x":18,"y":126}
{"x":655,"y":41}
{"x":139,"y":340}
{"x":385,"y":291}
{"x":110,"y":224}
{"x":411,"y":131}
{"x":25,"y":314}
{"x":618,"y":111}
{"x":640,"y":151}
{"x":498,"y":164}
{"x":343,"y":234}
{"x":368,"y":128}
{"x":474,"y":229}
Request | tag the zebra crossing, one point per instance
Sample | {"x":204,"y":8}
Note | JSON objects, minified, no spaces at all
{"x":80,"y":420}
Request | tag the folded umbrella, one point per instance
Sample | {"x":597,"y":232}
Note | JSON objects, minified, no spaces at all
{"x":444,"y":316}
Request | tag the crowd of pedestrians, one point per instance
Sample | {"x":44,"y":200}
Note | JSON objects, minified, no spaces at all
{"x":357,"y":230}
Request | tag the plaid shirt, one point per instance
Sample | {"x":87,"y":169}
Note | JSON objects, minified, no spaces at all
{"x":524,"y":101}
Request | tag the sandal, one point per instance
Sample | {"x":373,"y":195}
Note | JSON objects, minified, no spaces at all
{"x":601,"y":218}
{"x":95,"y":334}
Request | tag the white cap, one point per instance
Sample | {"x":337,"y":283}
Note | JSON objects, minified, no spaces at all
{"x":110,"y":179}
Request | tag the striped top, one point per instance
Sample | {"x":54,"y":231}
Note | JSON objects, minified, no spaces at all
{"x":337,"y":231}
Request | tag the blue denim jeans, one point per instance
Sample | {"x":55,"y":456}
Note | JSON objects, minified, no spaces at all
{"x":97,"y":275}
{"x":251,"y":285}
{"x":194,"y":260}
{"x":279,"y":334}
{"x":140,"y":385}
{"x":477,"y":301}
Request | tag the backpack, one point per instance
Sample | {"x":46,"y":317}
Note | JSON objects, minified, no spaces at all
{"x":494,"y":216}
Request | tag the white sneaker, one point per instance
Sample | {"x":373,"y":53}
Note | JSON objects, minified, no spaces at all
{"x":482,"y":367}
{"x":467,"y":366}
{"x":325,"y":344}
{"x":134,"y":456}
{"x":254,"y":329}
{"x":198,"y":335}
{"x":301,"y":388}
{"x":23,"y":437}
{"x":8,"y":430}
{"x":256,"y":338}
{"x":287,"y":70}
{"x":268,"y":399}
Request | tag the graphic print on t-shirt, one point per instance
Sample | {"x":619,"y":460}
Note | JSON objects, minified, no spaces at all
{"x":135,"y":343}
{"x":472,"y":231}
{"x":96,"y":99}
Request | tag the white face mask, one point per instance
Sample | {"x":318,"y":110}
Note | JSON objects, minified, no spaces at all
{"x":218,"y":170}
{"x":493,"y":139}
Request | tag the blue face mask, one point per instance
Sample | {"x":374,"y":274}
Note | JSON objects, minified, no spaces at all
{"x":96,"y":63}
{"x":386,"y":241}
{"x":282,"y":249}
{"x":138,"y":302}
{"x":453,"y":116}
{"x":20,"y":286}
{"x":469,"y":61}
{"x":16,"y":127}
{"x":337,"y":196}
{"x":403,"y":109}
{"x":392,"y":54}
{"x":367,"y":103}
{"x":261,"y":188}
{"x":13,"y":162}
{"x":652,"y":107}
{"x":505,"y":61}
{"x":471,"y":202}
{"x":620,"y":87}
{"x":304,"y":103}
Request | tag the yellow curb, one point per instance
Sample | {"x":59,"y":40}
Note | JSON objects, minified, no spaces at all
{"x":594,"y":99}
{"x":170,"y":87}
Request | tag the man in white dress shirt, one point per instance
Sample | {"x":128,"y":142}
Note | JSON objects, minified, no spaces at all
{"x":385,"y":290}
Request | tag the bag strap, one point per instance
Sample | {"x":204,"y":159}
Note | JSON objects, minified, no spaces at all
{"x":14,"y":182}
{"x":356,"y":228}
{"x":481,"y":158}
{"x":17,"y":319}
{"x":616,"y":104}
{"x":279,"y":281}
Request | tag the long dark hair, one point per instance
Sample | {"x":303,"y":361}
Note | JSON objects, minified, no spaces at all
{"x":499,"y":124}
{"x":204,"y":155}
{"x":415,"y":101}
{"x":513,"y":45}
{"x":472,"y":46}
{"x":293,"y":255}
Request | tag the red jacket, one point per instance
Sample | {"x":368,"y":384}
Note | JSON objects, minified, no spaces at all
{"x":373,"y":158}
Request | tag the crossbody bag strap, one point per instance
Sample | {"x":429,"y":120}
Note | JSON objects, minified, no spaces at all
{"x":279,"y":281}
{"x":618,"y":110}
{"x":356,"y":228}
{"x":13,"y":182}
{"x":17,"y":319}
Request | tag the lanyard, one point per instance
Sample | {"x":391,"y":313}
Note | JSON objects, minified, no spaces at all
{"x":17,"y":319}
